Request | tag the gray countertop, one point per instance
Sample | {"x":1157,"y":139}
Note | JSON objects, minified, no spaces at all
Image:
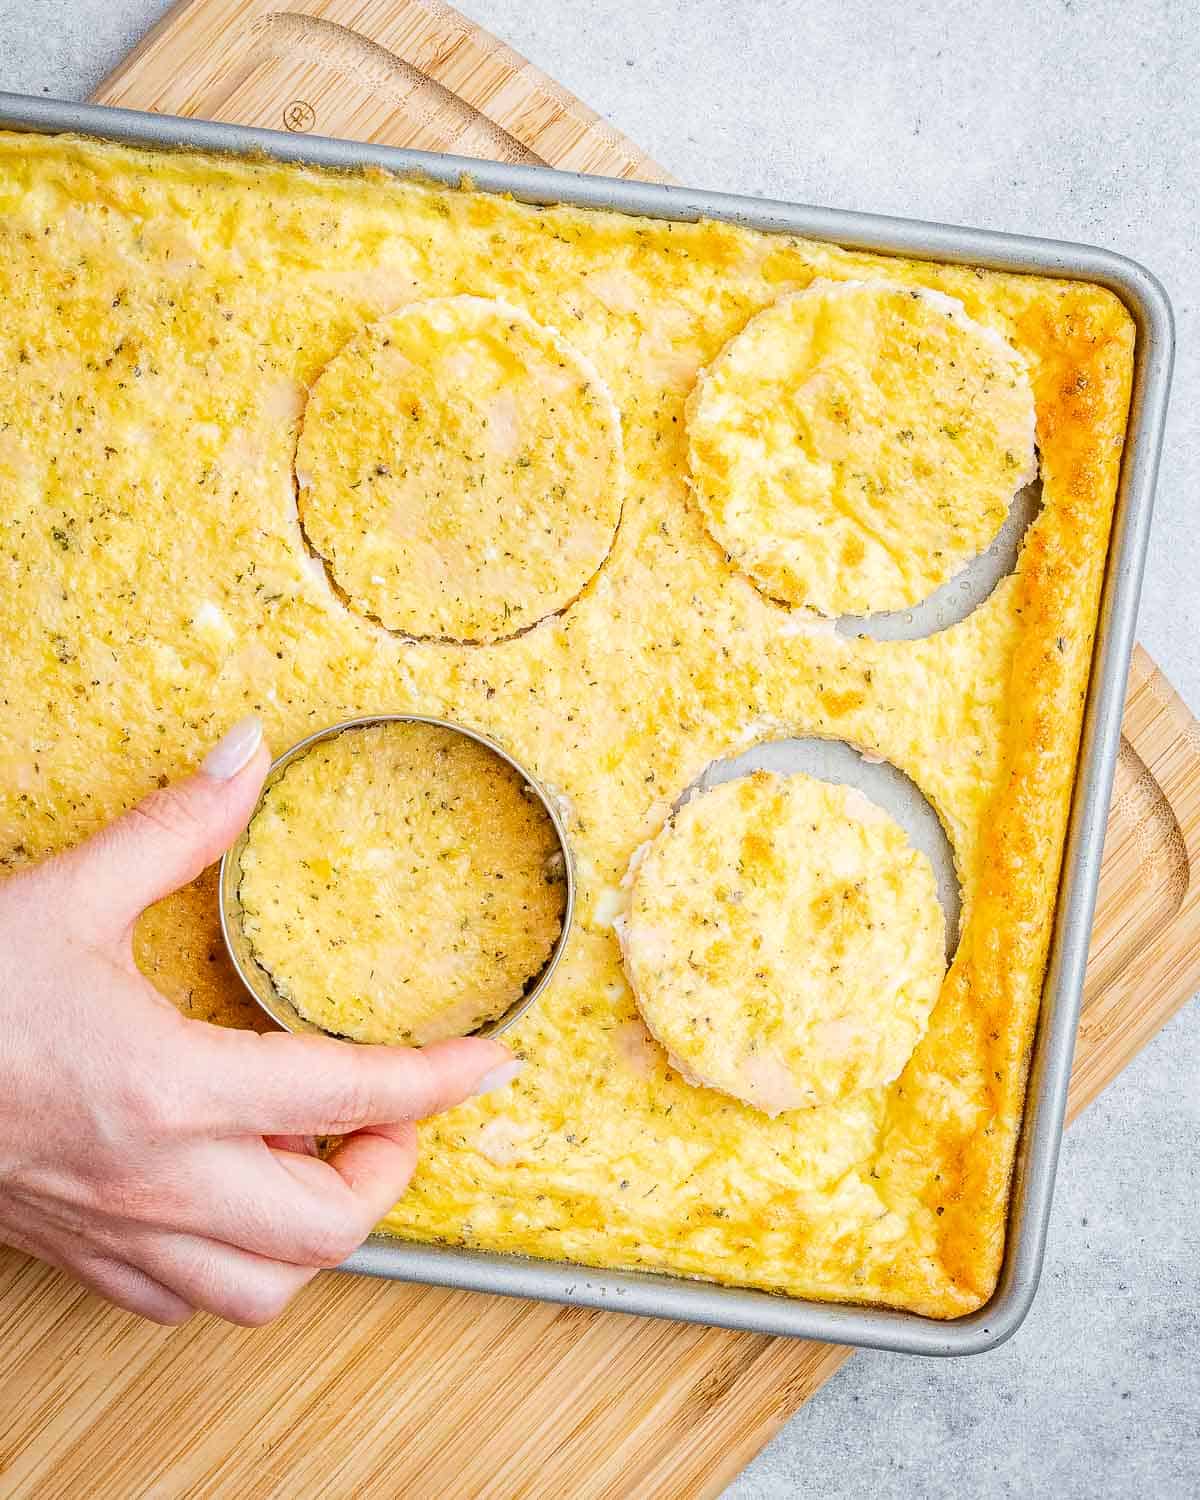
{"x":1073,"y":118}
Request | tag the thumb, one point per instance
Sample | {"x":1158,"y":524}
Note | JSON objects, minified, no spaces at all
{"x":171,"y":835}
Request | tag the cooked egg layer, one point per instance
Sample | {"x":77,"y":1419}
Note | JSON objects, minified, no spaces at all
{"x":401,"y":884}
{"x":459,"y":468}
{"x":784,"y":941}
{"x":165,"y":315}
{"x":858,"y":442}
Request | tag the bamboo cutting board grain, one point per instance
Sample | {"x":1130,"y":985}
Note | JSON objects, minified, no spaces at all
{"x":373,"y":1389}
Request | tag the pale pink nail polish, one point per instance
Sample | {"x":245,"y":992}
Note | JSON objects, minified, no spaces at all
{"x":499,"y":1077}
{"x":234,"y":749}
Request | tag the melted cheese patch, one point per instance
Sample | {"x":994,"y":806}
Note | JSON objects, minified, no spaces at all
{"x":857,"y":443}
{"x":400,"y":885}
{"x":785,"y":942}
{"x":163,"y":315}
{"x":459,"y":470}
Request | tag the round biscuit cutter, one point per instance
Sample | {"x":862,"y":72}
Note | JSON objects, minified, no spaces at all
{"x":258,"y":980}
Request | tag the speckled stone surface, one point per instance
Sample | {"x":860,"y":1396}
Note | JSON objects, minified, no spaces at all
{"x":1075,"y":118}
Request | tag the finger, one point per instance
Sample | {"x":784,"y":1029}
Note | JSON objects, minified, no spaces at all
{"x":285,"y":1205}
{"x":217,"y":1278}
{"x":376,"y":1165}
{"x":130,"y":1288}
{"x":282,"y":1084}
{"x":281,"y":1205}
{"x":295,"y":1207}
{"x":358,"y":1183}
{"x":169,"y":837}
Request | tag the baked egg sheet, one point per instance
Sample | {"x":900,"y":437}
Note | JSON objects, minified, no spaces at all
{"x":164,"y":317}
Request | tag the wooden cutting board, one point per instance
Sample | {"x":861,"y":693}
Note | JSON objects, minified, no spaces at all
{"x":376,"y":1389}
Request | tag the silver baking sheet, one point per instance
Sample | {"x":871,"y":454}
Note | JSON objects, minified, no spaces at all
{"x":704,"y":1302}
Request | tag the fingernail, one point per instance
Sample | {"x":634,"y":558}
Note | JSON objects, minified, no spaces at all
{"x":299,"y":1145}
{"x":499,"y":1077}
{"x":234,"y":749}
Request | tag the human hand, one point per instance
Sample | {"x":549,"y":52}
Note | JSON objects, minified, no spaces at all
{"x":167,"y":1163}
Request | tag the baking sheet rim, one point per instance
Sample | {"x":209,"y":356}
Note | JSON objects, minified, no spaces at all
{"x":662,"y":1295}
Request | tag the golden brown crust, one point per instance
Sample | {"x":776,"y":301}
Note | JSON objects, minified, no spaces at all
{"x":163,"y":317}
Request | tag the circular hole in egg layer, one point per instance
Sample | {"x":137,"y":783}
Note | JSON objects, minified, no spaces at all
{"x":858,"y":443}
{"x":788,"y":930}
{"x":400,"y":882}
{"x":459,"y":471}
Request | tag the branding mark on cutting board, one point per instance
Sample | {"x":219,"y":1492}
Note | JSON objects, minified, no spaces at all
{"x":299,"y":116}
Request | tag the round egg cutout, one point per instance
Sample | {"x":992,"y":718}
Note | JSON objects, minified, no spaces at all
{"x":859,"y":444}
{"x":459,"y":471}
{"x":786,"y":933}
